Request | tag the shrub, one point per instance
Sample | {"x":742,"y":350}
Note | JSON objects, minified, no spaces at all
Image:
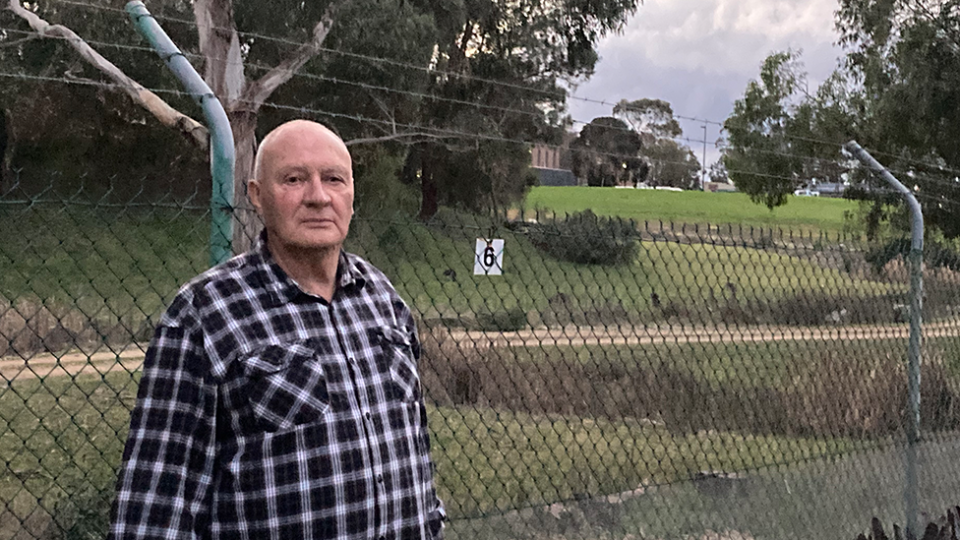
{"x":509,"y":320}
{"x":586,"y":238}
{"x":833,"y":396}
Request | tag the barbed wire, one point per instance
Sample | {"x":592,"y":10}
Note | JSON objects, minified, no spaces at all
{"x":436,"y":131}
{"x":455,"y":133}
{"x":364,"y":85}
{"x":396,"y":63}
{"x":465,"y":76}
{"x":430,"y":131}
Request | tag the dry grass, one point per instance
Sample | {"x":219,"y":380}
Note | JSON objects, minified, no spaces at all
{"x":831,"y":394}
{"x":29,"y":327}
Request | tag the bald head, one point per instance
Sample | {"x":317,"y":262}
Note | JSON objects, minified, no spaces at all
{"x":282,"y":135}
{"x":303,"y":188}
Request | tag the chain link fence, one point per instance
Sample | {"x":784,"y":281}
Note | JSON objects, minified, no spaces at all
{"x":618,"y":380}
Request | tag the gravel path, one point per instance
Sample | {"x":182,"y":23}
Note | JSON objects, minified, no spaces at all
{"x":130,"y":358}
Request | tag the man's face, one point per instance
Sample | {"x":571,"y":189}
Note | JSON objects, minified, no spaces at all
{"x":304,"y":188}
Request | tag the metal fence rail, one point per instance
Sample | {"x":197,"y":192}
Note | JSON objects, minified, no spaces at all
{"x":618,"y":380}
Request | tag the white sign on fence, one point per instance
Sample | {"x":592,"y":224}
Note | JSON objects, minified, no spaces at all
{"x":488,"y":260}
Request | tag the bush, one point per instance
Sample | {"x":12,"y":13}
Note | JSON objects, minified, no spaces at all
{"x":586,"y":238}
{"x":832,"y":396}
{"x":510,"y":320}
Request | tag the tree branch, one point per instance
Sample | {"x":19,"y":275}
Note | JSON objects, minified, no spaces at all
{"x":166,"y":114}
{"x":395,"y":136}
{"x":16,"y":42}
{"x":256,"y":93}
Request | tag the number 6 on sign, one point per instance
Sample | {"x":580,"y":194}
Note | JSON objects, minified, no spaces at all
{"x":488,"y":260}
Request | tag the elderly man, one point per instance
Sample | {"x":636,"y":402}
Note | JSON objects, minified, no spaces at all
{"x":280,"y":396}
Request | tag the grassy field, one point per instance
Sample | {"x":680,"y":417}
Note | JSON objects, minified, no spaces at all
{"x":432,"y":267}
{"x":551,"y":424}
{"x":63,"y":438}
{"x":807,"y":214}
{"x":102,"y":274}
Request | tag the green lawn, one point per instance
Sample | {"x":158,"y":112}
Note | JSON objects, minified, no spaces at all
{"x":800,"y":214}
{"x":419,"y":260}
{"x":105,"y":273}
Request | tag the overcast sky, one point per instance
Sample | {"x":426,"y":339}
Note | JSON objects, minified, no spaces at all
{"x":699,"y":55}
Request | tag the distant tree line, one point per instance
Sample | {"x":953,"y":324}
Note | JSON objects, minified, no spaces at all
{"x":896,"y":92}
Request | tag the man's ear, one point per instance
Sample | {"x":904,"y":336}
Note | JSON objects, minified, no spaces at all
{"x":253,"y":193}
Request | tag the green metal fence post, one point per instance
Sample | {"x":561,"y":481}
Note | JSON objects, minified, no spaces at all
{"x":221,"y":136}
{"x":913,"y":355}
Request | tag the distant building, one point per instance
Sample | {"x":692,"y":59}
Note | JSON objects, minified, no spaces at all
{"x":552,"y":164}
{"x":822,"y":189}
{"x":831,"y":189}
{"x":719,"y":187}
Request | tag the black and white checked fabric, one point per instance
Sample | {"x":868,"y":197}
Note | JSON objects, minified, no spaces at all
{"x":268,"y":413}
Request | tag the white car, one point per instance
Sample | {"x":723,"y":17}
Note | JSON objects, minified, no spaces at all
{"x":806,"y":193}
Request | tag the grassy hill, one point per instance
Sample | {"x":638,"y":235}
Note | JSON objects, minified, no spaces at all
{"x":806,"y":214}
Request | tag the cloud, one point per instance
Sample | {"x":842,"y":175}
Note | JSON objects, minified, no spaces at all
{"x":700,"y":54}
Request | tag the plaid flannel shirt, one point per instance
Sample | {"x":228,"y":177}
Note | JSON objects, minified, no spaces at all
{"x":265,"y":412}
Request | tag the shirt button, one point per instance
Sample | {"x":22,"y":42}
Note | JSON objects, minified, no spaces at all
{"x":380,"y":478}
{"x":368,"y":415}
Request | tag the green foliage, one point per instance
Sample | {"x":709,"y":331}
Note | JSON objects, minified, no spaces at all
{"x":491,"y":176}
{"x":653,"y":116}
{"x":759,"y":160}
{"x":895,"y":93}
{"x":939,"y":251}
{"x":378,"y":191}
{"x":671,"y":164}
{"x":585,"y":238}
{"x":606,"y":153}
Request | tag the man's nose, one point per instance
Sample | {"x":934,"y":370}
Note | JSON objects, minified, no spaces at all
{"x":316,"y":192}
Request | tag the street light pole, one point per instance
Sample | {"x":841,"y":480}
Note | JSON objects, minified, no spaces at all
{"x":703,"y":164}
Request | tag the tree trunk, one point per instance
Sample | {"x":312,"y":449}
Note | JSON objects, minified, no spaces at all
{"x":246,"y":224}
{"x":7,"y":145}
{"x":428,"y":190}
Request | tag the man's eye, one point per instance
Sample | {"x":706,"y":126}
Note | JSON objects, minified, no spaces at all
{"x":335,"y":179}
{"x":291,"y":179}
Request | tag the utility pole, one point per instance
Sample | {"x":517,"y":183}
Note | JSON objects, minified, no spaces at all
{"x":703,"y":164}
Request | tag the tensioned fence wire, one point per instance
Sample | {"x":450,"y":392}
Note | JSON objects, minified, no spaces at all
{"x":619,"y":379}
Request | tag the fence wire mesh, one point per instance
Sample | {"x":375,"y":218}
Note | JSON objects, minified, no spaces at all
{"x":619,"y":380}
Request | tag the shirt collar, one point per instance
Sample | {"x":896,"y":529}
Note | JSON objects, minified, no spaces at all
{"x":285,"y":289}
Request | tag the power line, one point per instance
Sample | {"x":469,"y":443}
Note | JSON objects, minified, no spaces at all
{"x":439,"y":132}
{"x":558,"y":95}
{"x":359,"y":84}
{"x":429,"y":131}
{"x":387,"y":61}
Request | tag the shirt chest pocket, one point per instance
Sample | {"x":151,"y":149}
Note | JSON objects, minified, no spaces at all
{"x":398,"y":356}
{"x":285,"y":386}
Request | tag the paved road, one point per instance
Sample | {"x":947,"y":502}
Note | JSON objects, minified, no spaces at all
{"x":130,"y":358}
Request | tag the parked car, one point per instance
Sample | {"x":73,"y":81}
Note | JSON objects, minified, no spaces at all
{"x":806,"y":193}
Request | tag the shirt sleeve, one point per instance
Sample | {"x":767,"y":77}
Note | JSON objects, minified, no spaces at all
{"x":163,"y":489}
